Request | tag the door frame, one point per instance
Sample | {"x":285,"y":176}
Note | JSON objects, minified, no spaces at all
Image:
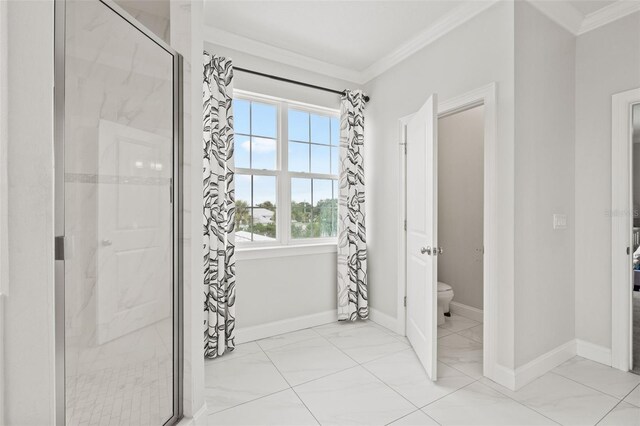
{"x":621,"y":226}
{"x":485,"y":95}
{"x":58,"y":236}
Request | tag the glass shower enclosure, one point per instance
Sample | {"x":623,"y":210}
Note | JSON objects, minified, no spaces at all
{"x":118,"y":271}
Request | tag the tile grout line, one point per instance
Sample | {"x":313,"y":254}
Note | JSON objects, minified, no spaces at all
{"x":630,"y":392}
{"x":519,"y":402}
{"x":608,"y":412}
{"x":290,"y":387}
{"x":413,"y":412}
{"x":389,"y":386}
{"x":325,"y":376}
{"x":359,"y":364}
{"x":246,"y":402}
{"x":589,"y":386}
{"x":479,"y":380}
{"x":495,"y":390}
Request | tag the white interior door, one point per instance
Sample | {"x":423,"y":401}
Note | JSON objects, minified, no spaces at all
{"x":422,"y":208}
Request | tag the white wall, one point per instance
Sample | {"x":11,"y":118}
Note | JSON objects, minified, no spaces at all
{"x":4,"y":187}
{"x":544,"y":180}
{"x":607,"y":62}
{"x":281,"y":288}
{"x":460,"y":204}
{"x":186,"y":38}
{"x":475,"y":54}
{"x":29,"y":320}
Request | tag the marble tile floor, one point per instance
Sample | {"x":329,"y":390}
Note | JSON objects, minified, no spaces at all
{"x":363,"y":374}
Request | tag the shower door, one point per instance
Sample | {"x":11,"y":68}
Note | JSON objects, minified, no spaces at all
{"x":117,"y":218}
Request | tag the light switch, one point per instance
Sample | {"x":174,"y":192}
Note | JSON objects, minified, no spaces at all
{"x":559,"y":221}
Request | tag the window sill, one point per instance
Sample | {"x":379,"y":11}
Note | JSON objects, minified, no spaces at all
{"x":249,"y":253}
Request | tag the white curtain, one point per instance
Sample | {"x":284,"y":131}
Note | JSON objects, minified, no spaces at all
{"x":219,"y":207}
{"x":352,"y":241}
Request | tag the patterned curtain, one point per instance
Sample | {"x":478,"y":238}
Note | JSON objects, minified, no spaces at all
{"x":219,"y":207}
{"x":352,"y":241}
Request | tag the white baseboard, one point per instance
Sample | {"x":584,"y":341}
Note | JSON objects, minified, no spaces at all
{"x":503,"y":376}
{"x":593,"y":352}
{"x":544,"y":363}
{"x":385,"y":320}
{"x":467,"y":311}
{"x":199,"y":418}
{"x":256,"y":332}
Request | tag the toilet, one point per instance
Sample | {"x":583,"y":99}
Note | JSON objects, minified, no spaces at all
{"x":445,"y":295}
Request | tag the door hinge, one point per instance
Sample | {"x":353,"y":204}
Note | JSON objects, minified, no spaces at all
{"x":59,"y":248}
{"x":405,"y":301}
{"x":628,"y":250}
{"x":405,"y":224}
{"x":171,"y":190}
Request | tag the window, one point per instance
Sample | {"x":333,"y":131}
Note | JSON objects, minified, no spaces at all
{"x":286,"y":158}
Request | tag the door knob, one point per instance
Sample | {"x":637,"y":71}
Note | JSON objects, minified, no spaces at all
{"x":427,"y":250}
{"x":440,"y":250}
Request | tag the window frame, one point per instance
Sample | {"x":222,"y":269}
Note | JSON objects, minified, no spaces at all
{"x":283,"y":177}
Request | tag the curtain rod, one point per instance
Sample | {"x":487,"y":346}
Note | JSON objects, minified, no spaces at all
{"x":300,"y":83}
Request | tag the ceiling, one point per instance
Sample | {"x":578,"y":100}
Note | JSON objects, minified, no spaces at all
{"x":324,"y":36}
{"x":329,"y":30}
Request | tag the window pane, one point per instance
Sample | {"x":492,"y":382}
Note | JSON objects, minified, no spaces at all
{"x":263,"y":154}
{"x":241,"y":151}
{"x":335,"y":160}
{"x":320,"y":159}
{"x":320,"y":129}
{"x":243,"y":211}
{"x":264,"y":208}
{"x":241,"y":116}
{"x":298,"y":157}
{"x":325,"y":212}
{"x":264,"y":224}
{"x":301,"y":210}
{"x":298,"y":125}
{"x":263,"y":120}
{"x":335,"y":131}
{"x":264,"y":191}
{"x":243,"y":189}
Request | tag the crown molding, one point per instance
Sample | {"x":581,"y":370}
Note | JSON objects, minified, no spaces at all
{"x":276,"y":54}
{"x":447,"y":23}
{"x":560,"y":12}
{"x":568,"y":17}
{"x":608,"y":14}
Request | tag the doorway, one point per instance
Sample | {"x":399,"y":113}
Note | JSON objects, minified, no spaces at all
{"x":420,"y":256}
{"x":460,"y":219}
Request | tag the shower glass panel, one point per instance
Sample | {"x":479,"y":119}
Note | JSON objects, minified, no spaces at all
{"x":119,"y":274}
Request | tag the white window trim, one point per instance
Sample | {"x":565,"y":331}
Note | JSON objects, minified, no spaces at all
{"x":284,"y":244}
